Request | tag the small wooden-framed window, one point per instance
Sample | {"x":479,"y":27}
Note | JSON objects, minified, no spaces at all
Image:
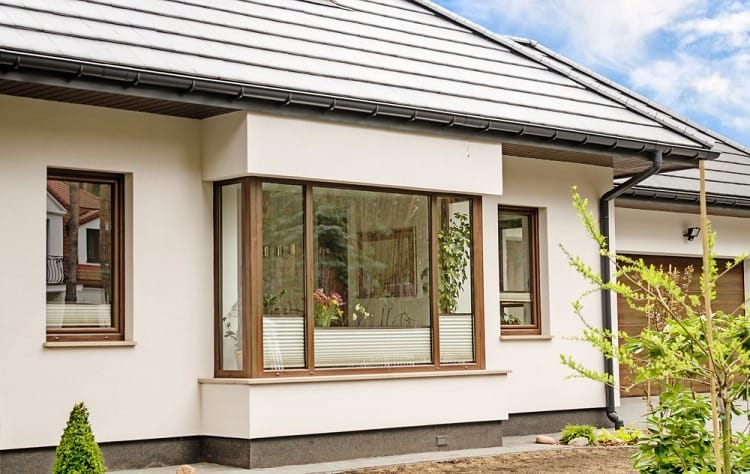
{"x":84,"y":278}
{"x":317,"y":279}
{"x":519,"y":270}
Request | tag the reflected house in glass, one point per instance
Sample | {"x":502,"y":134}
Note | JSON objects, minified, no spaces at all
{"x":79,"y":254}
{"x":276,"y":226}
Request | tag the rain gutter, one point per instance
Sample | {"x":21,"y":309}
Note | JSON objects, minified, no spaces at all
{"x":606,"y":273}
{"x":22,"y":65}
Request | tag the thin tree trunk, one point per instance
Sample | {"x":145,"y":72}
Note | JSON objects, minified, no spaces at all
{"x":71,"y":256}
{"x":726,"y":432}
{"x":709,"y":319}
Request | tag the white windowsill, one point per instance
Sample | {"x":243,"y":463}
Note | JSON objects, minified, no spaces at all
{"x":77,"y":344}
{"x":351,"y":378}
{"x":526,"y":337}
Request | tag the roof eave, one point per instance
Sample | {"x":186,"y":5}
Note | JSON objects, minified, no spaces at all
{"x":646,"y":197}
{"x":21,"y":65}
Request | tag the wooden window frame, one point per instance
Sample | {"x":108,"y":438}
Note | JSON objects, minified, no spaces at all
{"x":117,"y":331}
{"x":252,"y":274}
{"x":533,"y":215}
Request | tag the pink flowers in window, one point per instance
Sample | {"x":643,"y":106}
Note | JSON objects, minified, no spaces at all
{"x":327,"y":308}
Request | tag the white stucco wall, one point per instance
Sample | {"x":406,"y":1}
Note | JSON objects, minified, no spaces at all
{"x":323,"y":151}
{"x":298,"y":408}
{"x":148,"y":391}
{"x":538,"y":379}
{"x":661,"y":233}
{"x":151,"y":390}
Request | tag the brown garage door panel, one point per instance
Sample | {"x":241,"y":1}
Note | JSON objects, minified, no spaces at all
{"x":730,"y":294}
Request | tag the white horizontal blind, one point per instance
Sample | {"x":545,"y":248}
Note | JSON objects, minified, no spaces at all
{"x":283,"y":342}
{"x":284,"y":348}
{"x":456,"y":338}
{"x":372,"y":347}
{"x":515,"y":296}
{"x":79,"y":315}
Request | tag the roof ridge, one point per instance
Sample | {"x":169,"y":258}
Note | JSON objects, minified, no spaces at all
{"x":567,"y":69}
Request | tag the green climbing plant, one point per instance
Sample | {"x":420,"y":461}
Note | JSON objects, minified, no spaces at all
{"x":454,"y":244}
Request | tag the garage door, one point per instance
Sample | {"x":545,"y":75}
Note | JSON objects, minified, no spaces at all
{"x":730,"y":295}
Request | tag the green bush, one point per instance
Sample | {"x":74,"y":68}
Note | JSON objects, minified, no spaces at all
{"x":579,"y":431}
{"x":741,"y":453}
{"x":78,"y":452}
{"x":677,"y":439}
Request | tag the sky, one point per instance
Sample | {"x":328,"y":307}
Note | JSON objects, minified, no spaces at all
{"x":692,"y":56}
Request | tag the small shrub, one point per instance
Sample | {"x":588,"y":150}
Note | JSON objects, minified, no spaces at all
{"x":78,"y":452}
{"x":579,"y":431}
{"x":605,"y":437}
{"x":677,"y":439}
{"x":628,"y":435}
{"x":622,"y":436}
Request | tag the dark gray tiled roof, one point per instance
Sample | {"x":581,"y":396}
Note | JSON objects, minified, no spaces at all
{"x":411,"y":53}
{"x":392,"y":51}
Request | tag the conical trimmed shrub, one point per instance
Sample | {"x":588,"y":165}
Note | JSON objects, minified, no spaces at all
{"x":78,"y":452}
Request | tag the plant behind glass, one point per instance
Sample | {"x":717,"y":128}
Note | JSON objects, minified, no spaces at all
{"x":454,"y":244}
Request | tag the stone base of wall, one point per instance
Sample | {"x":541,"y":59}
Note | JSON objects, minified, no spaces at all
{"x":120,"y":455}
{"x":270,"y":452}
{"x":553,"y":421}
{"x":282,"y":451}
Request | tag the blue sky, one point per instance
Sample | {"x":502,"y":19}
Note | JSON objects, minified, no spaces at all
{"x":692,"y":56}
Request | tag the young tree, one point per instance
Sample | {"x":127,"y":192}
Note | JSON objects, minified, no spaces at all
{"x":78,"y":452}
{"x":693,"y":345}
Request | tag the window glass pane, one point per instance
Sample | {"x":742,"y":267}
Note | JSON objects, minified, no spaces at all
{"x":515,"y":268}
{"x":371,"y":278}
{"x":455,"y":300}
{"x":79,"y":254}
{"x":231,"y":277}
{"x":283,"y":276}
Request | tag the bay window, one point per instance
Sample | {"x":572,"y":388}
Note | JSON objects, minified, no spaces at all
{"x":317,"y":279}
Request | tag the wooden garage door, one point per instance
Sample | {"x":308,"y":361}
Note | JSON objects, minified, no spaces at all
{"x":730,"y":294}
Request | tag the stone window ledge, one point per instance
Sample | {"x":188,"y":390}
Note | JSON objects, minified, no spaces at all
{"x":351,"y":378}
{"x":526,"y":337}
{"x":88,"y":344}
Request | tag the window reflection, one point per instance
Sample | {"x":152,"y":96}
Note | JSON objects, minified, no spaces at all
{"x":79,"y":254}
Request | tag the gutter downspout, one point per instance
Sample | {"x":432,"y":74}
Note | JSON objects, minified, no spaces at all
{"x":606,"y":273}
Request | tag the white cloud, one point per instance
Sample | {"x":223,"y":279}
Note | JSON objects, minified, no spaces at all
{"x":713,"y":90}
{"x":612,"y":33}
{"x":730,"y":28}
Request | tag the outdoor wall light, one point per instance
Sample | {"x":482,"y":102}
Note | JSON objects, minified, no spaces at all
{"x":691,"y":233}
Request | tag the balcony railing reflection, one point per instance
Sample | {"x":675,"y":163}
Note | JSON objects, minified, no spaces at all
{"x":55,"y":270}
